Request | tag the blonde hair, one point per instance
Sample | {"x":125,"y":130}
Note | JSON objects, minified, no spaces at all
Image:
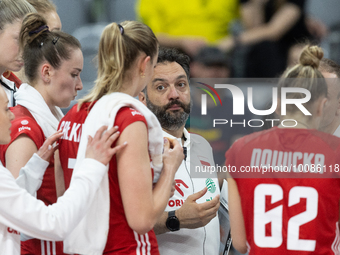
{"x":39,"y":44}
{"x":305,"y":75}
{"x":13,"y":10}
{"x":43,"y":6}
{"x":119,"y":47}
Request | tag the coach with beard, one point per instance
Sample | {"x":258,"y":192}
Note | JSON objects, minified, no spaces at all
{"x":189,"y":224}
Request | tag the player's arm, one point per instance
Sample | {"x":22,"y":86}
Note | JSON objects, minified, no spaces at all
{"x":238,"y":231}
{"x":143,"y":205}
{"x":55,"y":222}
{"x":58,"y":175}
{"x":31,"y":175}
{"x":18,"y":153}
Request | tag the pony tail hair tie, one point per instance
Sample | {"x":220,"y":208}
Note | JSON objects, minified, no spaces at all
{"x":121,"y":29}
{"x":40,"y":29}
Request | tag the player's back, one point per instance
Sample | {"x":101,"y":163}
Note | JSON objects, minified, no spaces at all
{"x":290,"y":194}
{"x":71,"y":124}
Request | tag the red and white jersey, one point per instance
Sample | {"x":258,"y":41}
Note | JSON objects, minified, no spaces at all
{"x":297,"y":213}
{"x":121,"y":238}
{"x":24,"y":123}
{"x":71,"y":124}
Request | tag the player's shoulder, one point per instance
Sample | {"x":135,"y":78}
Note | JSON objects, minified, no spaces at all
{"x":24,"y":123}
{"x":332,"y":141}
{"x":23,"y":119}
{"x":130,"y":112}
{"x":127,"y":116}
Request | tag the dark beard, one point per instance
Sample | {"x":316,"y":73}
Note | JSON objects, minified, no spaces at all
{"x":170,"y":120}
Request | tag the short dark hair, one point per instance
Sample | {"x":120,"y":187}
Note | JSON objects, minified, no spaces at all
{"x":329,"y":66}
{"x":173,"y":55}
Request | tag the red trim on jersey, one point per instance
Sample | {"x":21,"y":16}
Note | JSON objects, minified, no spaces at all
{"x":204,"y":163}
{"x":36,"y":246}
{"x":12,"y":77}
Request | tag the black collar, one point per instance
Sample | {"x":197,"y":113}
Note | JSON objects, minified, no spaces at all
{"x":9,"y":88}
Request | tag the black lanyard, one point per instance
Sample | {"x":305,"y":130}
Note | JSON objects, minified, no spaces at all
{"x":9,"y":88}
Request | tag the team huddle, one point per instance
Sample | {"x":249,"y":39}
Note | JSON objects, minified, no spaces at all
{"x":113,"y":176}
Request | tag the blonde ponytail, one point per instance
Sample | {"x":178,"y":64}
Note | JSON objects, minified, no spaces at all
{"x":119,"y":47}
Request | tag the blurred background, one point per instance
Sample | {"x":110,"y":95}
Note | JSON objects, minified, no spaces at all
{"x":224,"y":38}
{"x":85,"y":19}
{"x":210,"y":32}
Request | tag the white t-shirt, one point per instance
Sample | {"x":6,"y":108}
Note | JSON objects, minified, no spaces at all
{"x":199,"y":241}
{"x":21,"y":212}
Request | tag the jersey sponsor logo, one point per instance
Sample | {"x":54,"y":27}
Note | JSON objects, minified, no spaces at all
{"x":134,"y":112}
{"x":294,"y":161}
{"x":24,"y":128}
{"x":12,"y":231}
{"x":24,"y":122}
{"x":175,"y":202}
{"x":210,"y":185}
{"x":178,"y":185}
{"x":71,"y":133}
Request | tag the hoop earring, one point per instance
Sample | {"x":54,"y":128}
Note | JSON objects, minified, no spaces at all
{"x":142,"y":75}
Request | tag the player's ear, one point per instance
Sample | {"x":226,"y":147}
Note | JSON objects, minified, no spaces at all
{"x":141,"y":97}
{"x":321,"y":106}
{"x":46,"y":72}
{"x":338,"y":108}
{"x":143,"y":63}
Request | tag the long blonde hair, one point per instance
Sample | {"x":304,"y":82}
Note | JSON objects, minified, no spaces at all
{"x":43,"y":6}
{"x":119,"y":47}
{"x":12,"y":10}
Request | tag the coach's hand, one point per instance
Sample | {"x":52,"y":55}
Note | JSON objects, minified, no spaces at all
{"x":193,"y":215}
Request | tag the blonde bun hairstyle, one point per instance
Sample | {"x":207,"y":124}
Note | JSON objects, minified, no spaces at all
{"x":305,"y":75}
{"x":311,"y":56}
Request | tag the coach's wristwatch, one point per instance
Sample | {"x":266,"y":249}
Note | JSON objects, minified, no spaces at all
{"x":172,"y":222}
